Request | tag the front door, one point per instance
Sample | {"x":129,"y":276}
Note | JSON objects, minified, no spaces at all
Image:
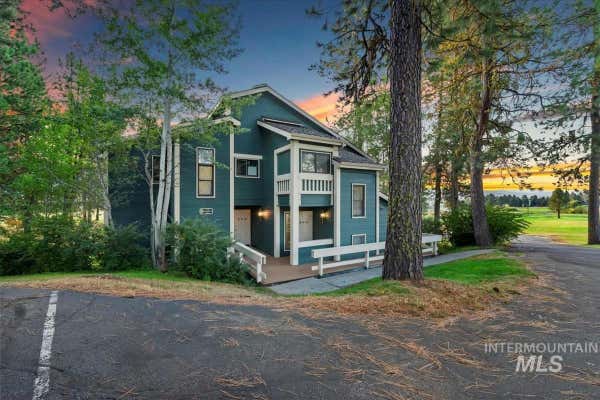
{"x":241,"y":226}
{"x":306,"y":225}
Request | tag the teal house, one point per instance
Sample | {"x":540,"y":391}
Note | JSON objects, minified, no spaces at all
{"x":286,"y":186}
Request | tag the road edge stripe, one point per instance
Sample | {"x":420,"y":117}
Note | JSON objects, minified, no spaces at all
{"x":42,"y":380}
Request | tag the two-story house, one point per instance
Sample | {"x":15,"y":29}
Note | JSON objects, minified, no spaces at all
{"x":292,"y":184}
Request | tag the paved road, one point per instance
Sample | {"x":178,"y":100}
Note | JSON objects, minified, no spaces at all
{"x":139,"y":348}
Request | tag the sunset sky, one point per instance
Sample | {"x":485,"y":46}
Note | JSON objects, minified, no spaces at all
{"x":279,"y":42}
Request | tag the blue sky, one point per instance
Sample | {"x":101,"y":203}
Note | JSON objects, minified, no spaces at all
{"x":278,"y":39}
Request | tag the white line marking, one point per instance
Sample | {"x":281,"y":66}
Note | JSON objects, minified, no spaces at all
{"x":42,"y":380}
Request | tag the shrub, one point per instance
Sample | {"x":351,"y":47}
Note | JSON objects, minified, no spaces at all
{"x":430,"y":226}
{"x":505,"y":224}
{"x":122,"y":249}
{"x":63,"y":244}
{"x":577,"y":210}
{"x":202,"y":252}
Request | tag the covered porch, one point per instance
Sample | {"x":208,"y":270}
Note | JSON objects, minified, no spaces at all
{"x":268,"y":270}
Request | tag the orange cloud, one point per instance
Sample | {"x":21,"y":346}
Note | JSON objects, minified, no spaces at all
{"x":47,"y":24}
{"x":539,"y":178}
{"x":323,"y":108}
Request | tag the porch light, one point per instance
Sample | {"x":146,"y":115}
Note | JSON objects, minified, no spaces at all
{"x":263,"y":213}
{"x":324,"y":216}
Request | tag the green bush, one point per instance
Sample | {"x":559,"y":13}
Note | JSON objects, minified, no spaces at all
{"x":577,"y":210}
{"x":430,"y":226}
{"x":505,"y":224}
{"x":202,"y":252}
{"x":63,"y":244}
{"x":122,"y":249}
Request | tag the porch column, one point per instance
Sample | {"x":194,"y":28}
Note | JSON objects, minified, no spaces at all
{"x":276,"y":209}
{"x":337,"y":177}
{"x":377,"y":208}
{"x":295,"y":189}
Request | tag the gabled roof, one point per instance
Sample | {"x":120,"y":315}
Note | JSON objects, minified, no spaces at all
{"x":348,"y":152}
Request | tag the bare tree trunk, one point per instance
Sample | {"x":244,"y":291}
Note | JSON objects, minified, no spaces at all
{"x":594,"y":188}
{"x":481,"y":227}
{"x":102,"y":171}
{"x":403,"y":256}
{"x":437,"y":203}
{"x":164,"y":192}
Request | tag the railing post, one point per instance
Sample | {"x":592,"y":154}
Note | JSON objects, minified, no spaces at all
{"x":435,"y":249}
{"x":367,"y":259}
{"x":320,"y":266}
{"x":258,"y":272}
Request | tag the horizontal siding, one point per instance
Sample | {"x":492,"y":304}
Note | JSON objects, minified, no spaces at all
{"x":350,"y":226}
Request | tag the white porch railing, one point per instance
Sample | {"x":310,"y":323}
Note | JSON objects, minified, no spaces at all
{"x":283,"y":184}
{"x":249,"y":254}
{"x":316,"y":183}
{"x":429,"y":241}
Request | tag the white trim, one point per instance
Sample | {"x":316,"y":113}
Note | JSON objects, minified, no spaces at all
{"x":336,"y":208}
{"x":377,"y":208}
{"x":316,"y":139}
{"x":266,"y":119}
{"x":298,"y":136}
{"x":234,"y":121}
{"x":266,"y":88}
{"x":248,"y":156}
{"x":317,"y":242}
{"x":364,"y":199}
{"x":357,"y":235}
{"x":177,"y":182}
{"x":276,"y":209}
{"x":320,"y":152}
{"x":282,"y":149}
{"x":248,"y":176}
{"x":284,"y":224}
{"x":231,"y":185}
{"x":334,"y":150}
{"x":274,"y":129}
{"x":214,"y":189}
{"x":384,"y":196}
{"x":295,"y":198}
{"x":349,"y":165}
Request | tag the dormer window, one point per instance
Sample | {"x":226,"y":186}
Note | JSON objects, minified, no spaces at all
{"x":315,"y":162}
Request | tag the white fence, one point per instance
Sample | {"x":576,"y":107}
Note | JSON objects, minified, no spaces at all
{"x":253,"y":258}
{"x":429,"y":241}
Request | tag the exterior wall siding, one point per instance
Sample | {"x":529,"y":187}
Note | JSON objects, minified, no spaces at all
{"x":283,"y":163}
{"x":354,"y":226}
{"x":315,"y":200}
{"x":190,"y":204}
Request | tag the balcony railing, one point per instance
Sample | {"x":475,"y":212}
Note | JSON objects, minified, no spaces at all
{"x":309,"y":184}
{"x":316,"y":184}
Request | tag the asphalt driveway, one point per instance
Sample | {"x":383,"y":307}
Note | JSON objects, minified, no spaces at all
{"x":139,"y":348}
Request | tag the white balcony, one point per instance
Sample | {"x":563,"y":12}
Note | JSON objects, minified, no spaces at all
{"x":309,"y":184}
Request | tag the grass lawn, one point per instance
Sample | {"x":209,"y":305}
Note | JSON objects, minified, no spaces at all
{"x":470,"y":271}
{"x":570,"y":228}
{"x":135,"y":274}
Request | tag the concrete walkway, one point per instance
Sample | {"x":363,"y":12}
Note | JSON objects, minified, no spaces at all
{"x":337,"y":281}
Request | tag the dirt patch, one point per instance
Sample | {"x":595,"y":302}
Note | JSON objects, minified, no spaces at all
{"x":432,"y":298}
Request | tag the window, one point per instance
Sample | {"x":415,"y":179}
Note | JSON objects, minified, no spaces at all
{"x":315,"y":162}
{"x":247,"y":168}
{"x":206,"y":172}
{"x":155,"y":170}
{"x":358,"y":200}
{"x":359,"y":239}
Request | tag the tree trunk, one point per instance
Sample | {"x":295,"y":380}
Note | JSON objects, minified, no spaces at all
{"x":454,"y":185}
{"x":481,"y":227}
{"x":164,"y":192}
{"x":403,"y":256}
{"x":558,"y":212}
{"x":594,"y":188}
{"x":437,"y":203}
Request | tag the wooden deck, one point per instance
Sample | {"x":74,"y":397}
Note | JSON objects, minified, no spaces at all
{"x":279,"y":270}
